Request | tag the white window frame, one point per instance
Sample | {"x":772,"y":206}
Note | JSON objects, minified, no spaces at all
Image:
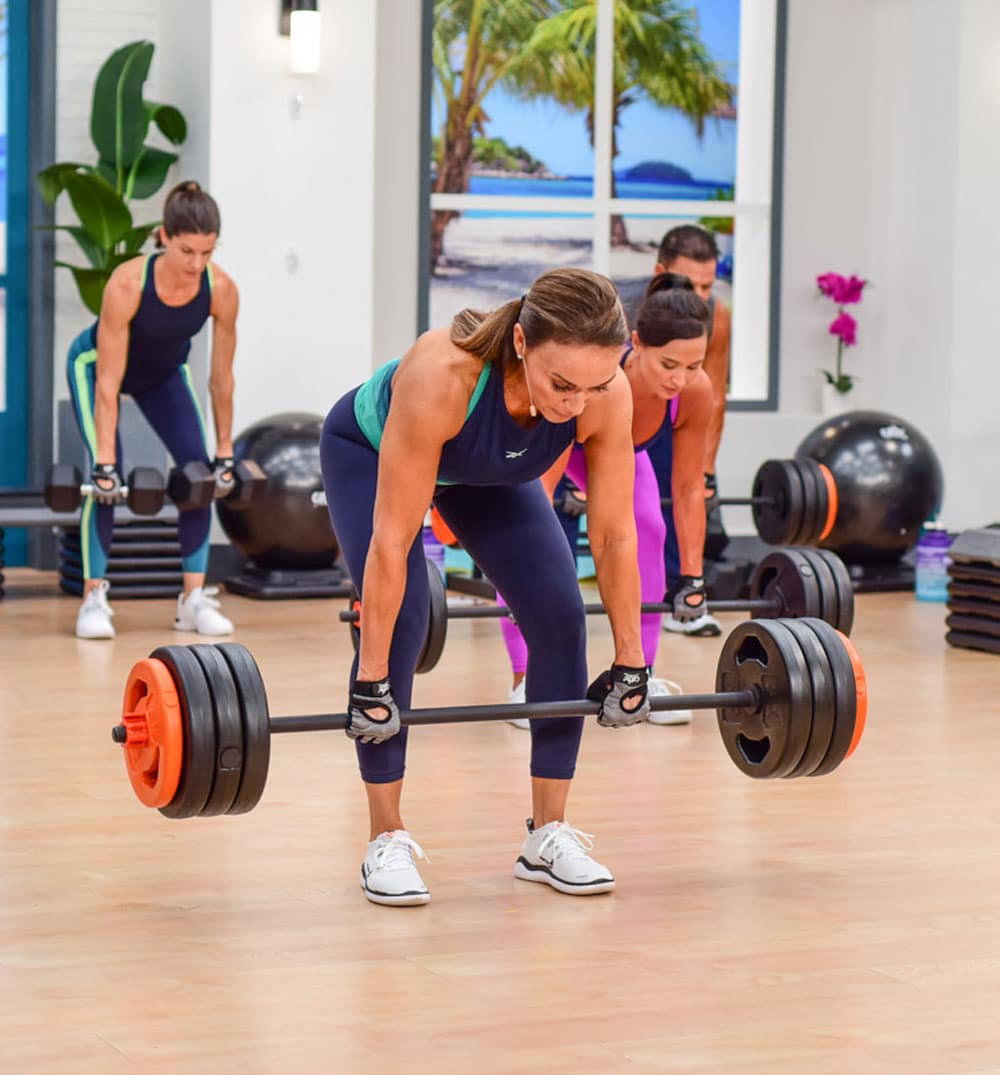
{"x":753,"y":367}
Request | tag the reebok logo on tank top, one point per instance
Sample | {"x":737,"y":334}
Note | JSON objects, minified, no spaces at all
{"x":515,"y":455}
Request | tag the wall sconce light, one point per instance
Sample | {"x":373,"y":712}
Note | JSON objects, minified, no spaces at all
{"x":300,"y":21}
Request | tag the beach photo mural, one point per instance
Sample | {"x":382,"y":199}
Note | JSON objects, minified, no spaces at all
{"x":513,"y":150}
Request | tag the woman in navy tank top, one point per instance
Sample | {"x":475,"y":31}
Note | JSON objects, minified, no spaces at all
{"x":672,"y":401}
{"x":152,"y":307}
{"x":468,"y":420}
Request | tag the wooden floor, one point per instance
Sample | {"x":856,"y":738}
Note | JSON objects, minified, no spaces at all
{"x":845,"y":924}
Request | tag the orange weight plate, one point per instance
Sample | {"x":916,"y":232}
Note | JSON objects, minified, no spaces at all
{"x":154,"y":745}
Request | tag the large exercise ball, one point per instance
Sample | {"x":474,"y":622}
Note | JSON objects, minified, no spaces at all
{"x":285,"y":528}
{"x":888,"y":483}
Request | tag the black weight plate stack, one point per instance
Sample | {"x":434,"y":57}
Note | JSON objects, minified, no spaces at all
{"x":437,"y":620}
{"x":778,"y":520}
{"x":144,"y":561}
{"x":845,"y":696}
{"x":814,"y":502}
{"x":787,"y":577}
{"x":824,"y":699}
{"x":228,"y":767}
{"x":973,"y":621}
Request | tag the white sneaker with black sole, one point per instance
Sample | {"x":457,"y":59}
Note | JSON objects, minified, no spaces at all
{"x":559,"y":855}
{"x":199,"y":611}
{"x":94,"y":618}
{"x":517,"y":696}
{"x":705,"y":626}
{"x":389,"y":873}
{"x":661,"y":687}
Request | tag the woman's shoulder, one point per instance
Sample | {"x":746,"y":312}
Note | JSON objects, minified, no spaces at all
{"x":434,"y":357}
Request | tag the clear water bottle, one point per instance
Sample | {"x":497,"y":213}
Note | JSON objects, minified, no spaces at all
{"x":433,"y":549}
{"x":932,"y":563}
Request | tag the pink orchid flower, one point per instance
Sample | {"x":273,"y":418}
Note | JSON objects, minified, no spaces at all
{"x":846,"y":328}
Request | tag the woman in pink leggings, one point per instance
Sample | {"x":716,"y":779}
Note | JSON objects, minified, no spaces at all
{"x":671,"y":397}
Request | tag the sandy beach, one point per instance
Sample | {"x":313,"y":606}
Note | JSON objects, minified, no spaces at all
{"x":489,"y":260}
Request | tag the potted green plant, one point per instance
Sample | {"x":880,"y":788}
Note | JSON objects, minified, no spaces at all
{"x":127,"y":169}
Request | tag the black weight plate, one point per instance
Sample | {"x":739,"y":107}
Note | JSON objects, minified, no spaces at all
{"x":354,"y":603}
{"x":437,"y":620}
{"x":822,"y":503}
{"x":787,"y":577}
{"x":198,"y":769}
{"x":845,"y":696}
{"x":766,"y":742}
{"x":228,"y":729}
{"x":845,"y":589}
{"x":829,"y":601}
{"x":823,"y":714}
{"x":780,"y":519}
{"x":812,"y":520}
{"x":977,"y":624}
{"x":256,"y":725}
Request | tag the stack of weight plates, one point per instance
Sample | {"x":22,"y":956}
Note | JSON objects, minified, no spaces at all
{"x":145,"y":560}
{"x":974,"y":591}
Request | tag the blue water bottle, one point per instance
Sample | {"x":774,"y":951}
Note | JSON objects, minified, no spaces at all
{"x":932,"y":563}
{"x":433,"y":549}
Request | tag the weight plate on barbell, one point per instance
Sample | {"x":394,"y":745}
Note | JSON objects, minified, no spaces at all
{"x":829,"y":603}
{"x":256,"y":725}
{"x":786,"y":576}
{"x":824,"y":699}
{"x":844,"y":587}
{"x":767,"y":741}
{"x":154,"y":760}
{"x":816,"y":500}
{"x":848,"y":677}
{"x":228,"y":729}
{"x":779,"y":519}
{"x":437,"y":620}
{"x":198,"y":770}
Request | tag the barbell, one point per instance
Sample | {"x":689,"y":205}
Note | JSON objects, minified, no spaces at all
{"x":786,"y":584}
{"x":791,"y":700}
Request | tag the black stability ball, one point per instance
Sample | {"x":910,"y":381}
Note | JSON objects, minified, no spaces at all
{"x":888,"y":483}
{"x":285,"y":528}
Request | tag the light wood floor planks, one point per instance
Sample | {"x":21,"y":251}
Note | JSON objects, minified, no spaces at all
{"x":841,"y":925}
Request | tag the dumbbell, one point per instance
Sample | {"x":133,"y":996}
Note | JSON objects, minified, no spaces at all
{"x":193,"y":485}
{"x":794,"y":502}
{"x":790,"y":696}
{"x":786,"y":584}
{"x":65,"y":490}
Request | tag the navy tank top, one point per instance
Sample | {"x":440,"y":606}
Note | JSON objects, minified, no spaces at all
{"x":159,"y":335}
{"x":669,"y":419}
{"x":490,"y":448}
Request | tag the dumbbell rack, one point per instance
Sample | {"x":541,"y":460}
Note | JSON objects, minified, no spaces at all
{"x":144,"y":561}
{"x":973,"y":620}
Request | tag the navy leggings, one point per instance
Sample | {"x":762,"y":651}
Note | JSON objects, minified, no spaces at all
{"x":512,"y":533}
{"x":172,"y":410}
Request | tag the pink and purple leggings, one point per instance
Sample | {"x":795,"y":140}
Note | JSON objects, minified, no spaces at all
{"x":651,"y":533}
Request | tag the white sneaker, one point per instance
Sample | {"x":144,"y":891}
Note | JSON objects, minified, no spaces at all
{"x":667,"y":716}
{"x":705,"y":626}
{"x":517,"y":695}
{"x":94,"y":618}
{"x":200,"y":612}
{"x":389,"y":873}
{"x":557,"y":855}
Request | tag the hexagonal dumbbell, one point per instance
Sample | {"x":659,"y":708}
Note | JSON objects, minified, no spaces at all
{"x":249,"y":485}
{"x":65,"y":491}
{"x":191,"y":486}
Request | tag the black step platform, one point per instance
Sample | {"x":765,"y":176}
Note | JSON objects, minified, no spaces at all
{"x":974,"y":591}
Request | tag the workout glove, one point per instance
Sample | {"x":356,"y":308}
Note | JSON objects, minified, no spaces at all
{"x":711,"y":494}
{"x":623,"y":696}
{"x":688,"y":598}
{"x":109,"y":490}
{"x":225,"y":477}
{"x":374,"y":715}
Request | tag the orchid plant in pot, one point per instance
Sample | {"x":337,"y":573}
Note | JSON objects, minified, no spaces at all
{"x":843,"y":291}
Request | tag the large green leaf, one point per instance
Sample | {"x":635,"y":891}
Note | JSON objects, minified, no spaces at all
{"x":93,"y":251}
{"x":101,"y":211}
{"x":170,"y":120}
{"x":52,"y":180}
{"x":118,"y":118}
{"x":148,"y":173}
{"x":90,"y":283}
{"x":136,"y":238}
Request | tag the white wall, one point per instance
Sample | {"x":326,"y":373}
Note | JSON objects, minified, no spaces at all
{"x":890,"y":147}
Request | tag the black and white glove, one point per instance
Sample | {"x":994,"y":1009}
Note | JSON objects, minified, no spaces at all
{"x":106,"y":483}
{"x":572,"y":502}
{"x":711,"y":494}
{"x":688,"y":598}
{"x":623,"y":696}
{"x":224,"y":475}
{"x":374,"y":715}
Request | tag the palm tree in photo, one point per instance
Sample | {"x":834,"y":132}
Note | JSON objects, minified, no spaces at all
{"x":658,"y":56}
{"x":477,"y":45}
